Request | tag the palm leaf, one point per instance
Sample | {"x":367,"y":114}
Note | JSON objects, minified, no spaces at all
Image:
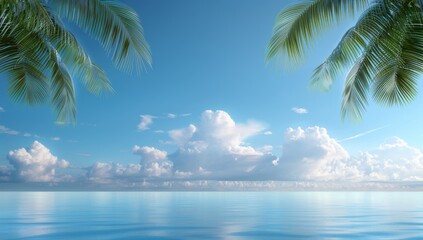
{"x":351,"y":46}
{"x":297,"y":26}
{"x":115,"y":26}
{"x":77,"y":61}
{"x":396,"y":81}
{"x":354,"y":98}
{"x":28,"y":84}
{"x":384,"y":33}
{"x":63,"y":93}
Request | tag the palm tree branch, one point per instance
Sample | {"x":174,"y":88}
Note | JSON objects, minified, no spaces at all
{"x":396,"y":80}
{"x":297,"y":26}
{"x":368,"y":65}
{"x":114,"y":25}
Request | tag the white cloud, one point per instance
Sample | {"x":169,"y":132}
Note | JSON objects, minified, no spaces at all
{"x":158,"y":169}
{"x":308,"y":154}
{"x":181,"y":136}
{"x":266,"y":149}
{"x":145,"y":122}
{"x":150,"y":153}
{"x":1,"y":109}
{"x":171,"y":115}
{"x":268,"y":133}
{"x":154,"y":161}
{"x":27,"y":135}
{"x":5,"y":130}
{"x":214,"y":154}
{"x":185,"y":114}
{"x":394,"y":160}
{"x":213,"y":149}
{"x":101,"y":172}
{"x":216,"y":148}
{"x":311,"y":154}
{"x":220,"y":132}
{"x":55,"y":138}
{"x":159,"y":131}
{"x":299,"y":110}
{"x":35,"y":164}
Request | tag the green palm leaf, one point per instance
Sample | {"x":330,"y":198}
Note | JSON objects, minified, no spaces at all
{"x":63,"y":93}
{"x":114,"y":25}
{"x":385,"y":47}
{"x":379,"y":63}
{"x":349,"y":48}
{"x":41,"y":57}
{"x":297,"y":26}
{"x":28,"y":84}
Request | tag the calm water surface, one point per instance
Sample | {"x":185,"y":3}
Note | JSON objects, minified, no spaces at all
{"x":216,"y":215}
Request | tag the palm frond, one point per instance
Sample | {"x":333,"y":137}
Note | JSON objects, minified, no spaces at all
{"x":28,"y":13}
{"x":25,"y":58}
{"x":28,"y":84}
{"x":354,"y":99}
{"x":383,"y":46}
{"x":297,"y":26}
{"x":63,"y":93}
{"x":349,"y":48}
{"x":115,"y":26}
{"x":77,"y":60}
{"x":396,"y":81}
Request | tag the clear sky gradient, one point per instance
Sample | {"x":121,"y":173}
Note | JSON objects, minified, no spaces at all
{"x":210,"y":55}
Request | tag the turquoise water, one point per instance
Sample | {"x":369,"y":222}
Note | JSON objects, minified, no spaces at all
{"x":216,"y":215}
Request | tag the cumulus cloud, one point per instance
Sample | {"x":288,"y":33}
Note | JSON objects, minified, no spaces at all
{"x":150,"y":153}
{"x":214,"y":154}
{"x":268,"y":133}
{"x":101,"y":172}
{"x":216,"y":148}
{"x":154,"y":161}
{"x":311,"y":154}
{"x":394,"y":160}
{"x":299,"y":110}
{"x":212,"y":149}
{"x":35,"y":164}
{"x":145,"y":122}
{"x":5,"y":130}
{"x":181,"y":136}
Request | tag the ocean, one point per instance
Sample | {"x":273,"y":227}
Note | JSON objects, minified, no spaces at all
{"x":211,"y":215}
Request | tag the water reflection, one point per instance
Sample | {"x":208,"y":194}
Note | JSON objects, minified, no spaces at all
{"x":221,"y":215}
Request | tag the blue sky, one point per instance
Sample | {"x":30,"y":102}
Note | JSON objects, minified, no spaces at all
{"x":207,"y":55}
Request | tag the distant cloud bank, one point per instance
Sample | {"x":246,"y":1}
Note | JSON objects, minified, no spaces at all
{"x":214,"y":154}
